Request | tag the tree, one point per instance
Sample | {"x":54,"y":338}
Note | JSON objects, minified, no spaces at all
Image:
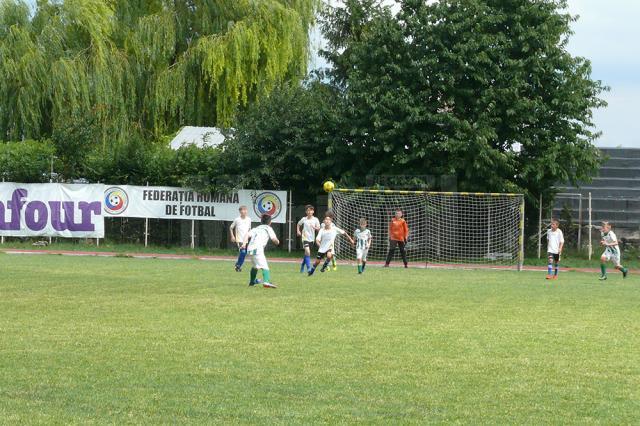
{"x":143,"y":66}
{"x":483,"y":89}
{"x":27,"y":161}
{"x":292,"y":140}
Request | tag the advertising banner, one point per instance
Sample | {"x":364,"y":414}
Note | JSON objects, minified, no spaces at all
{"x":159,"y":202}
{"x":51,"y":210}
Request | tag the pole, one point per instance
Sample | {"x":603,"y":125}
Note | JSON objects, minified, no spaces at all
{"x":540,"y":227}
{"x":580,"y":223}
{"x":2,"y":237}
{"x":521,"y":238}
{"x":146,"y":229}
{"x":290,"y":241}
{"x":589,"y":227}
{"x":51,"y":181}
{"x":193,"y":234}
{"x":488,"y":231}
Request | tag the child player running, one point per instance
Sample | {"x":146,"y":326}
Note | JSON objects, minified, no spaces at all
{"x":334,"y":265}
{"x":555,"y":243}
{"x":325,"y":240}
{"x":611,"y":253}
{"x":363,"y":242}
{"x":240,"y":226}
{"x":307,"y":227}
{"x":254,"y":242}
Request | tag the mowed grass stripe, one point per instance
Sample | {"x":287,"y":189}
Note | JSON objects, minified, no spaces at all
{"x":112,"y":340}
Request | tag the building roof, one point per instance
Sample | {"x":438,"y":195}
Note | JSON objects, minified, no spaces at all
{"x":199,"y":136}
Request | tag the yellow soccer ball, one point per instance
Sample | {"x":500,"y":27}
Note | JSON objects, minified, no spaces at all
{"x":328,"y":186}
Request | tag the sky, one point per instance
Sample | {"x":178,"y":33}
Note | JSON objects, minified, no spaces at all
{"x":608,"y":34}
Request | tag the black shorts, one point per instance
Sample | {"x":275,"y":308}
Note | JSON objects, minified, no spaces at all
{"x":555,"y":256}
{"x":321,"y":256}
{"x":306,"y":244}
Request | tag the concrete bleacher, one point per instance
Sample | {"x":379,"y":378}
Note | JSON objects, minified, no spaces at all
{"x":615,"y":193}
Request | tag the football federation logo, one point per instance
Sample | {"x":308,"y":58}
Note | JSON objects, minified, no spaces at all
{"x":269,"y":203}
{"x":116,"y":201}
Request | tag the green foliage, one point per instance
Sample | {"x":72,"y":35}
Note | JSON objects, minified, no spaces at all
{"x":484,"y":90}
{"x":74,"y":140}
{"x":289,"y":140}
{"x":27,"y":161}
{"x":143,"y":67}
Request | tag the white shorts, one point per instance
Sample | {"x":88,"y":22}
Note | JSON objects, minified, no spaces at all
{"x":259,"y":259}
{"x":361,"y":253}
{"x":613,"y":256}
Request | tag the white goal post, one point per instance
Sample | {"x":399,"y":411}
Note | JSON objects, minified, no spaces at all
{"x":447,"y":228}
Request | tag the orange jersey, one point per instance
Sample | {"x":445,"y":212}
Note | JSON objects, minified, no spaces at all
{"x":398,"y":229}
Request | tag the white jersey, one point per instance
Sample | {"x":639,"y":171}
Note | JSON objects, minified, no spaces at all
{"x":326,"y":237}
{"x":241,"y":227}
{"x":554,"y":239}
{"x":309,"y":227}
{"x":362,"y":238}
{"x":260,"y":236}
{"x":609,"y":238}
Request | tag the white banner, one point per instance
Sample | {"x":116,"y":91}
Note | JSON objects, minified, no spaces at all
{"x":51,"y":210}
{"x":160,"y":202}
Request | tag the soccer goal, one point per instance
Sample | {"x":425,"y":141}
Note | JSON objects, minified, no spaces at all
{"x":444,"y":227}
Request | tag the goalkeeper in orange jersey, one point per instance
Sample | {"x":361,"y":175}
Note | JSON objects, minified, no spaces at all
{"x":398,"y":234}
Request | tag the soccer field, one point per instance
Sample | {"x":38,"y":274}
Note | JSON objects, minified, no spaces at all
{"x":119,"y":340}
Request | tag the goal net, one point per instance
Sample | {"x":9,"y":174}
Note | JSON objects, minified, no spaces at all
{"x":444,"y":228}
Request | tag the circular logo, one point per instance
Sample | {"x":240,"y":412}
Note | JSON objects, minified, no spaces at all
{"x":116,"y":201}
{"x":269,"y":203}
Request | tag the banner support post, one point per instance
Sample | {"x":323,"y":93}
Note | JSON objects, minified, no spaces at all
{"x":51,"y":181}
{"x":146,"y":229}
{"x":289,"y":221}
{"x":193,"y":236}
{"x":146,"y":232}
{"x":2,"y":238}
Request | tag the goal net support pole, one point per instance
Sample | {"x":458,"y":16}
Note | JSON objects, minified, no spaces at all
{"x":448,"y":228}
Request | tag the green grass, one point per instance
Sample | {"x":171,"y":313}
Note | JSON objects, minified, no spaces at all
{"x":117,"y":340}
{"x":570,"y":259}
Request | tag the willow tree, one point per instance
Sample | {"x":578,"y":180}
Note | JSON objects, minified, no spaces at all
{"x":144,"y":65}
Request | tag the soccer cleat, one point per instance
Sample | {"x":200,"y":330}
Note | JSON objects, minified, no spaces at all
{"x":323,"y":269}
{"x":269,"y":285}
{"x":238,"y":268}
{"x":549,"y":277}
{"x":603,"y":278}
{"x":386,"y":265}
{"x":555,"y":277}
{"x":257,"y":281}
{"x":624,"y":273}
{"x":311,"y":271}
{"x":335,"y":268}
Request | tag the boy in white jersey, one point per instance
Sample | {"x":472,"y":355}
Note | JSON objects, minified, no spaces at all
{"x":555,"y":243}
{"x":363,"y":239}
{"x":334,"y":265}
{"x":611,"y":252}
{"x":254,"y":242}
{"x":307,"y":227}
{"x":240,"y":227}
{"x":325,"y":240}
